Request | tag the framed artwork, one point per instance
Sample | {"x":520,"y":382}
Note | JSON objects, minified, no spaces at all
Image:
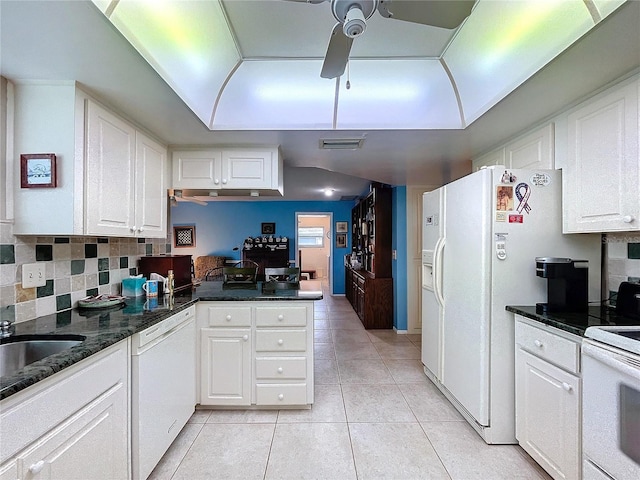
{"x":38,"y":170}
{"x":341,"y":240}
{"x":268,"y":228}
{"x":184,"y":236}
{"x":342,"y":227}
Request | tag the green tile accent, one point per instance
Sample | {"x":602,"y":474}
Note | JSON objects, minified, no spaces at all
{"x":63,"y":302}
{"x":7,"y":254}
{"x":167,"y":248}
{"x":8,"y":313}
{"x":61,"y":240}
{"x":103,"y":240}
{"x":613,"y":296}
{"x":124,"y":262}
{"x":91,"y":250}
{"x":103,"y":264}
{"x":44,"y":253}
{"x":77,"y":267}
{"x":149,"y":248}
{"x":92,"y":291}
{"x":633,"y":279}
{"x":141,"y":240}
{"x":633,"y":250}
{"x":103,"y":278}
{"x":133,"y":271}
{"x":45,"y":290}
{"x":63,"y":318}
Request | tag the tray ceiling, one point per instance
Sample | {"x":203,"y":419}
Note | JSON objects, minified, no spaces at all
{"x":255,"y":65}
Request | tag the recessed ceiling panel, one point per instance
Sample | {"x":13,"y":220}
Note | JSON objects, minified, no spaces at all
{"x":403,"y":94}
{"x":605,"y":7}
{"x":187,"y":43}
{"x":276,"y":94}
{"x":503,"y":43}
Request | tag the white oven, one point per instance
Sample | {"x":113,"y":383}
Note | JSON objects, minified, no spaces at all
{"x":611,"y":403}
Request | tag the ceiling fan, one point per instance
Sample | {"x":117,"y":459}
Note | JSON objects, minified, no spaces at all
{"x":352,"y":16}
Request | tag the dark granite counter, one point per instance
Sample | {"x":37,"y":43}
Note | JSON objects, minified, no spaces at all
{"x":575,"y":323}
{"x":107,"y":326}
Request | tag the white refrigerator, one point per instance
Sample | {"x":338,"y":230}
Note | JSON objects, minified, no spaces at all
{"x":481,"y":235}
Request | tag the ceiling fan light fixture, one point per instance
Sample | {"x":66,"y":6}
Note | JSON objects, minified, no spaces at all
{"x":341,"y":143}
{"x":354,"y":23}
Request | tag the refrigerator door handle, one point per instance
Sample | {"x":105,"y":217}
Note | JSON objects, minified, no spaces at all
{"x":437,"y":271}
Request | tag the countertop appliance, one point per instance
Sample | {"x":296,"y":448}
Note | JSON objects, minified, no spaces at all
{"x":567,"y":284}
{"x":481,"y":234}
{"x":163,"y":391}
{"x":628,"y":300}
{"x":611,"y":403}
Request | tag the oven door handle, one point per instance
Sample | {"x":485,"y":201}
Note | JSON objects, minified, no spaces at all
{"x":613,"y":358}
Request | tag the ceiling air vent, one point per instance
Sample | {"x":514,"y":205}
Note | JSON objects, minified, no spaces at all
{"x":341,"y":143}
{"x":348,"y":197}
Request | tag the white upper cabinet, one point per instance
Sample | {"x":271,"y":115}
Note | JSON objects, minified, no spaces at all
{"x":534,"y":150}
{"x":111,"y":177}
{"x":259,"y":169}
{"x":601,"y":186}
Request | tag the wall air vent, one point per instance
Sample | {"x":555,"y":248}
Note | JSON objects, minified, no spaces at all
{"x":341,"y":143}
{"x":348,"y":197}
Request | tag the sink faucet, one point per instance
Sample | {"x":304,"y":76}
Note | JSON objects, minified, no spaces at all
{"x":6,"y":328}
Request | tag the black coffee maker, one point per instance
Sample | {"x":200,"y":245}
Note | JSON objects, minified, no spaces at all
{"x":567,"y":286}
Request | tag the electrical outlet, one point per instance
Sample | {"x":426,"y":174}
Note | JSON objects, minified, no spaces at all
{"x":33,"y":275}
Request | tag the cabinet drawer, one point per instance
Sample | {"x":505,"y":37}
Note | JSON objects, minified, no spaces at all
{"x":228,"y":316}
{"x":281,"y":316}
{"x":281,"y":340}
{"x":290,"y":394}
{"x":558,"y":350}
{"x":281,"y":367}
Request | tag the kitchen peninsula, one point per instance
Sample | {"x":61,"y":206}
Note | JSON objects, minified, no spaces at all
{"x":249,"y":348}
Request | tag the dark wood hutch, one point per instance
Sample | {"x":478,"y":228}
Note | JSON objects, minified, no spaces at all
{"x":369,"y":282}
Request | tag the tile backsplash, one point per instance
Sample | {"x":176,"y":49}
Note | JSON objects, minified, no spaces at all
{"x":622,"y":259}
{"x":74,"y":268}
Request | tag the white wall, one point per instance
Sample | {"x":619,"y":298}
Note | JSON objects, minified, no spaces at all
{"x":314,"y":258}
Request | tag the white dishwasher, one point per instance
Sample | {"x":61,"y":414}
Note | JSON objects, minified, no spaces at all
{"x":163,"y":387}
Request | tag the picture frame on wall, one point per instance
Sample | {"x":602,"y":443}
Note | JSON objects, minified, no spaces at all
{"x":268,"y":228}
{"x":341,"y":240}
{"x":342,"y":227}
{"x":38,"y":170}
{"x":184,"y":236}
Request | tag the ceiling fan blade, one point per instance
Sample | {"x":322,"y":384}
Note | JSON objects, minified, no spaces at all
{"x":335,"y":61}
{"x":437,"y":13}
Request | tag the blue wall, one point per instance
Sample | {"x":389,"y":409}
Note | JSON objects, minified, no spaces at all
{"x":223,"y":225}
{"x":399,"y":265}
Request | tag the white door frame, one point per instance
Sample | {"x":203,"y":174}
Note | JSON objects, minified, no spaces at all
{"x":330,"y":238}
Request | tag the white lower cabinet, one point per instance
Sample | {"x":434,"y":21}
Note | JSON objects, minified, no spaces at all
{"x":256,"y":354}
{"x":73,"y":425}
{"x":548,"y":398}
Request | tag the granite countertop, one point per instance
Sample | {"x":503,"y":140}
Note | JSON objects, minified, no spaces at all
{"x":575,"y":323}
{"x":107,"y":326}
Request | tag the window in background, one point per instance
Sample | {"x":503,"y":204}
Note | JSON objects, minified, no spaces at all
{"x":311,"y":237}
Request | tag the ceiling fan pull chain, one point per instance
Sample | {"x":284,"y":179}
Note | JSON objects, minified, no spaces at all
{"x":348,"y":75}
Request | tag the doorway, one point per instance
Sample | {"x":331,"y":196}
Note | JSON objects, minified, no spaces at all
{"x":314,"y":249}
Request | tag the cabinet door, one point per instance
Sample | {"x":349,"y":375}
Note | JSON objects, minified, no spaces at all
{"x":247,"y":169}
{"x":496,"y":157}
{"x":151,"y":188}
{"x":91,"y":444}
{"x":197,"y":169}
{"x":532,"y":151}
{"x":601,"y":188}
{"x":225,"y":366}
{"x":548,"y":415}
{"x":109,"y":178}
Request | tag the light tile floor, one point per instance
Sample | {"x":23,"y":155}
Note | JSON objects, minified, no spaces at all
{"x":375,"y":415}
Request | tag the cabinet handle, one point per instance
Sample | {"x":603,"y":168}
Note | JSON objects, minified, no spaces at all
{"x":224,"y":181}
{"x":141,"y":229}
{"x":627,"y":218}
{"x":280,"y":342}
{"x":37,"y":467}
{"x":537,"y":343}
{"x":280,"y":396}
{"x":280,"y":317}
{"x":133,"y":229}
{"x":567,"y":387}
{"x":280,"y":370}
{"x":245,"y":337}
{"x":216,"y":181}
{"x":228,"y":317}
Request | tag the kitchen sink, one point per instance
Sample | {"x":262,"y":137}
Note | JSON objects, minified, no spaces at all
{"x":16,"y":352}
